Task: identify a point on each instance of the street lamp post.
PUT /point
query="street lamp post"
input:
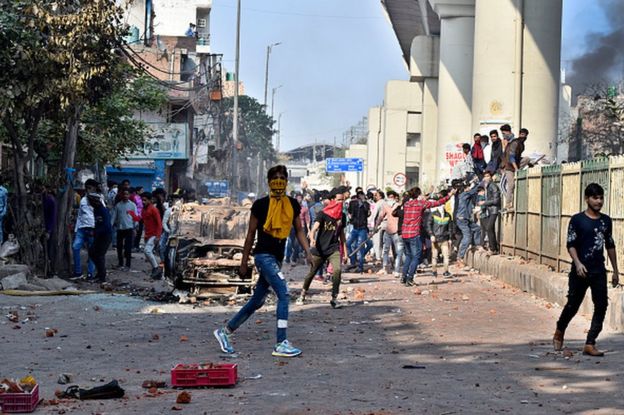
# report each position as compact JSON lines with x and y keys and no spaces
{"x":235,"y":121}
{"x":273,"y":99}
{"x":279,"y":131}
{"x":266,"y":71}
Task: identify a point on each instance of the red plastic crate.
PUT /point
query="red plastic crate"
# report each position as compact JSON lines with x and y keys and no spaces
{"x":12,"y":403}
{"x":193,"y":376}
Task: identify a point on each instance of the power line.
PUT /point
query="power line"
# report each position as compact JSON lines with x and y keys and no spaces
{"x":322,"y":16}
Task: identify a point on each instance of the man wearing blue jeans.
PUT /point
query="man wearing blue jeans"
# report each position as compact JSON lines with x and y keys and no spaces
{"x":272,"y":218}
{"x":85,"y":223}
{"x":413,"y":209}
{"x":359,"y":211}
{"x":471,"y":232}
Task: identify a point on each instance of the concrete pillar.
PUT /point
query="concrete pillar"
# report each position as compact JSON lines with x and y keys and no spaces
{"x":424,"y":68}
{"x":542,"y":74}
{"x":375,"y":137}
{"x":494,"y":74}
{"x":455,"y":79}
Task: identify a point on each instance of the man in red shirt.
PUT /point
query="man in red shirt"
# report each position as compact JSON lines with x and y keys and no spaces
{"x":413,"y":210}
{"x":152,"y":225}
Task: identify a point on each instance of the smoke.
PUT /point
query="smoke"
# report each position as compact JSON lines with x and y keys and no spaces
{"x":603,"y":61}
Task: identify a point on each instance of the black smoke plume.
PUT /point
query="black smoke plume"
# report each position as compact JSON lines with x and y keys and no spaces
{"x":603,"y":61}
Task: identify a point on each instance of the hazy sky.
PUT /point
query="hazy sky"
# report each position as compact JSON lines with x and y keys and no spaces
{"x":335,"y":57}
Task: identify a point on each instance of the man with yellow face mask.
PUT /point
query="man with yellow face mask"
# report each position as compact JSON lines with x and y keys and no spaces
{"x":271,"y":219}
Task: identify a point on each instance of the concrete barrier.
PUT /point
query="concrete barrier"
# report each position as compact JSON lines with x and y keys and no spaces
{"x":540,"y":281}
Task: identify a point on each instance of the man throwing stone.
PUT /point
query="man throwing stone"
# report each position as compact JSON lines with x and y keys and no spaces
{"x":326,"y":237}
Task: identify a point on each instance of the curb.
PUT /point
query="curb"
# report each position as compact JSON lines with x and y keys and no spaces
{"x":543,"y":283}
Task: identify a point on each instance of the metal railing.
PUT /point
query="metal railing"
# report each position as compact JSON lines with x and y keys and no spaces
{"x":546,"y":197}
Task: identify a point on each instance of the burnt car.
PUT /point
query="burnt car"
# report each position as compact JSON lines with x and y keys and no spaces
{"x":205,"y":248}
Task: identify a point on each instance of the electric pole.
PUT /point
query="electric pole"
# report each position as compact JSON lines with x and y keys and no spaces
{"x":266,"y":71}
{"x":235,"y":121}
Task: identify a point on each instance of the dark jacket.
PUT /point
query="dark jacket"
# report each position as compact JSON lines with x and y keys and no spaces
{"x":513,"y":152}
{"x":496,"y":156}
{"x":439,"y":225}
{"x":358,"y":214}
{"x":492,"y":198}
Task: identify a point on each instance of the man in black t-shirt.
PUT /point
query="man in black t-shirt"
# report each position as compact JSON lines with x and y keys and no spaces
{"x":589,"y":233}
{"x":272,"y":218}
{"x":326,"y":237}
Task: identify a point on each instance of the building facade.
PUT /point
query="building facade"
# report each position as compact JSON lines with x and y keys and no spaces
{"x":474,"y":65}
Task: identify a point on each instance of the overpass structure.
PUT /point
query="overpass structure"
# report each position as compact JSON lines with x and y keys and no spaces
{"x":473,"y":66}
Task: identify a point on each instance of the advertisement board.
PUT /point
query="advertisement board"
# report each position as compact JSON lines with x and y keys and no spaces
{"x":166,"y":141}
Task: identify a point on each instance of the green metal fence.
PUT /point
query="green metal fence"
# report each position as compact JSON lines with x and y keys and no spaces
{"x":545,"y":200}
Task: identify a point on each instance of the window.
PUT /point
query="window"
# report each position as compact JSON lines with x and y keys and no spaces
{"x":413,"y":139}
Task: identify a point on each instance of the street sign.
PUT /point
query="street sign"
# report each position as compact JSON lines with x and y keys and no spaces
{"x":337,"y":165}
{"x":218,"y":188}
{"x":400,"y":179}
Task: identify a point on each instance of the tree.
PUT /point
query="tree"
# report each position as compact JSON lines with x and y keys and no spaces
{"x":599,"y":126}
{"x":64,"y":73}
{"x":255,"y":136}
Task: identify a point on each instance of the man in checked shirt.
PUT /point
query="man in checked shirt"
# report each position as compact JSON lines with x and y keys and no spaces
{"x":413,"y":210}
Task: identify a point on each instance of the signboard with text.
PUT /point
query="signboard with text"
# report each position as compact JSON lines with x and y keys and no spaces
{"x":218,"y":188}
{"x":339,"y":165}
{"x":453,"y":155}
{"x":166,"y":141}
{"x":400,"y":179}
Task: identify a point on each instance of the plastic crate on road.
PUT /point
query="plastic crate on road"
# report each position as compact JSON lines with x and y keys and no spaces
{"x":201,"y":375}
{"x":13,"y":403}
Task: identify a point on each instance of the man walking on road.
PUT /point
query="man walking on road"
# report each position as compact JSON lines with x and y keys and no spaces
{"x":326,"y":237}
{"x":271,"y":218}
{"x":589,"y":233}
{"x":124,"y":222}
{"x":153,"y":229}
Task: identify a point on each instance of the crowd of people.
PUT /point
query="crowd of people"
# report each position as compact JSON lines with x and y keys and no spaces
{"x":396,"y":233}
{"x":128,"y":218}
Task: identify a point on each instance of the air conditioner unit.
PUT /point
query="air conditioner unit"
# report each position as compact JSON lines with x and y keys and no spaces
{"x":201,"y":22}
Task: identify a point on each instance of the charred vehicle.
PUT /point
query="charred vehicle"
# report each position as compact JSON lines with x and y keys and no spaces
{"x":205,"y":249}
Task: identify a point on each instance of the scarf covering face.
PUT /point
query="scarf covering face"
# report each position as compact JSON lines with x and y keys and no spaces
{"x":280,"y":216}
{"x":333,"y":209}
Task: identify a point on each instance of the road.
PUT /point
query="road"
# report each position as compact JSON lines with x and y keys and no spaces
{"x":476,"y":346}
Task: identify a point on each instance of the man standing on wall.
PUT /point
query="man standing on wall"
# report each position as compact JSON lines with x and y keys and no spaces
{"x":511,"y":162}
{"x":271,"y":218}
{"x":589,"y":233}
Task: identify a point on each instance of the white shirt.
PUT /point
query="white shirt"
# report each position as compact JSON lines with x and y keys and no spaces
{"x":85,"y":218}
{"x":487,"y":153}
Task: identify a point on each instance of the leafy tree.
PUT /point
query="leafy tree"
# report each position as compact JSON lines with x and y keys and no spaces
{"x":64,"y":76}
{"x":599,"y":126}
{"x":255,"y":137}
